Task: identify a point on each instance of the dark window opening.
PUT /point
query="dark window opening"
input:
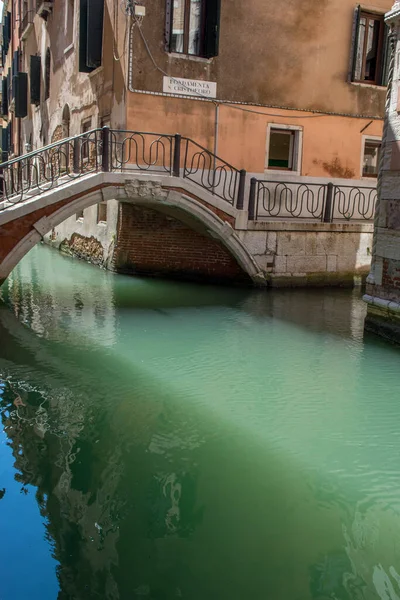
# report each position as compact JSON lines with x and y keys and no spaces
{"x":79,"y":215}
{"x":370,"y":49}
{"x":281,"y":149}
{"x":47,"y":75}
{"x":102,"y":212}
{"x":372,"y":151}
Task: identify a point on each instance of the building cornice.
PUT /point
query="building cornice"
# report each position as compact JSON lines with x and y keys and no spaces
{"x":394,"y":14}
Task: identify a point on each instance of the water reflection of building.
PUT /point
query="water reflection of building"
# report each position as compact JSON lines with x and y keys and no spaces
{"x":38,"y":295}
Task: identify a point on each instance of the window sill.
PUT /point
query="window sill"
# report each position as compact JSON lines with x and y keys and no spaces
{"x":69,"y":48}
{"x":102,"y":223}
{"x":95,"y":72}
{"x":180,"y":55}
{"x":372,"y":86}
{"x":289,"y":172}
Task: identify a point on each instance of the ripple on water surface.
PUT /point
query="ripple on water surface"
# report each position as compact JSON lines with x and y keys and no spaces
{"x":177,"y":441}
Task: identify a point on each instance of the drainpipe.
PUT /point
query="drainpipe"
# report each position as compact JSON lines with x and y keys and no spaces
{"x":216,"y":124}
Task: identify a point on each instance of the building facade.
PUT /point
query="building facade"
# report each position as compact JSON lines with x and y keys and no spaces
{"x":288,"y":92}
{"x":383,"y":283}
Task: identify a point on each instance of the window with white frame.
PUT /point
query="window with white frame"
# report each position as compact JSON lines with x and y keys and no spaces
{"x":69,"y":22}
{"x":371,"y":156}
{"x":283,"y":148}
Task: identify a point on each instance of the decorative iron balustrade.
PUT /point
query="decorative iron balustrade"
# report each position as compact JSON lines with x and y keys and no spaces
{"x":212,"y":173}
{"x":270,"y":199}
{"x":42,"y":170}
{"x":137,"y":151}
{"x":122,"y":151}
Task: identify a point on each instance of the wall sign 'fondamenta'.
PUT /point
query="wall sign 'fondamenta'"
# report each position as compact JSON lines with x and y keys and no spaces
{"x":189,"y":87}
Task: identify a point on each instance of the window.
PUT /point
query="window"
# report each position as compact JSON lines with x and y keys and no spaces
{"x":86,"y":126}
{"x":187,"y":24}
{"x":47,"y":75}
{"x":371,"y":53}
{"x":284,"y":148}
{"x":102,"y":212}
{"x":79,"y":215}
{"x":91,"y":17}
{"x":69,"y":22}
{"x":192,"y":27}
{"x":371,"y":156}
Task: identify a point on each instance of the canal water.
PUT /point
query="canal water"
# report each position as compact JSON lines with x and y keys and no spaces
{"x":163,"y":440}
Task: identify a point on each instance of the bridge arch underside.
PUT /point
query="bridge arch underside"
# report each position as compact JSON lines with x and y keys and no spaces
{"x":167,"y":234}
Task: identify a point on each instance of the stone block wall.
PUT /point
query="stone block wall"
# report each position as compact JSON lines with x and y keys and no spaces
{"x":294,"y":254}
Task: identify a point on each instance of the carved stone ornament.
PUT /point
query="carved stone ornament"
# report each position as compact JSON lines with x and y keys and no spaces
{"x":144,"y":189}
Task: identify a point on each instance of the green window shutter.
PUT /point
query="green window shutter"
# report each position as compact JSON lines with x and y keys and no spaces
{"x":4,"y":140}
{"x":168,"y":25}
{"x":83,"y":29}
{"x":35,"y":78}
{"x":4,"y":97}
{"x":386,"y":56}
{"x":94,"y":41}
{"x":21,"y":95}
{"x":211,"y":28}
{"x":354,"y":43}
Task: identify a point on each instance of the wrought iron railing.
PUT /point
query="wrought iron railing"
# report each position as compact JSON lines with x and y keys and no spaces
{"x":122,"y":151}
{"x":212,"y":173}
{"x":308,"y":200}
{"x":133,"y":151}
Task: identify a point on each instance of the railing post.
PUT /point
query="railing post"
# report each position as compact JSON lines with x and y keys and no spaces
{"x":328,"y":212}
{"x":176,"y":169}
{"x":252,"y":198}
{"x":105,"y":159}
{"x":242,"y":183}
{"x":76,"y":155}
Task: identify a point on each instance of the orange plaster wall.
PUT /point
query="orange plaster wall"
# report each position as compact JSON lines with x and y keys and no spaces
{"x":332,"y":145}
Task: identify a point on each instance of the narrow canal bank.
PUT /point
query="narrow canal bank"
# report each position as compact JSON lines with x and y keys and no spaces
{"x":166,"y":440}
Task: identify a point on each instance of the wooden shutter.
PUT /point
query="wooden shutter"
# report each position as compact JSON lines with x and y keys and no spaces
{"x":35,"y":78}
{"x":4,"y":140}
{"x":9,"y":137}
{"x":385,"y":60}
{"x":211,"y":29}
{"x":9,"y":84}
{"x":21,"y":95}
{"x":354,"y":43}
{"x":83,"y":28}
{"x":4,"y":97}
{"x":94,"y":48}
{"x":168,"y":25}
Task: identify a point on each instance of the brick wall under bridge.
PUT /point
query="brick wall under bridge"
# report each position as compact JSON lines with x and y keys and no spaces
{"x":168,"y":227}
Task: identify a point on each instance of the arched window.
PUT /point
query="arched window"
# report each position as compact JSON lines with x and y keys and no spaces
{"x":47,"y":75}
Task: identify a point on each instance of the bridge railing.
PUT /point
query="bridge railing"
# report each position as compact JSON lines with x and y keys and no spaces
{"x":327,"y":202}
{"x":41,"y":170}
{"x":133,"y":151}
{"x":122,"y":151}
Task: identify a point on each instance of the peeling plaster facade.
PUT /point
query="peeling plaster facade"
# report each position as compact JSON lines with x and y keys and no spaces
{"x":383,"y":283}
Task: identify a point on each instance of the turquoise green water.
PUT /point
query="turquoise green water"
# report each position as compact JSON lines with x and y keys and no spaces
{"x":164,"y":440}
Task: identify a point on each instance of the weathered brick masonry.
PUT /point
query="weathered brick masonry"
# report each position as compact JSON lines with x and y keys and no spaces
{"x":153,"y":243}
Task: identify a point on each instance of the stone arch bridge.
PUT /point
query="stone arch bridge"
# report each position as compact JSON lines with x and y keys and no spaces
{"x":227,"y":225}
{"x":171,"y":175}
